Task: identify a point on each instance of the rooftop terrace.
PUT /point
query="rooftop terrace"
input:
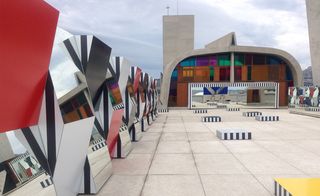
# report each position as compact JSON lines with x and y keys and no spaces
{"x":180,"y":155}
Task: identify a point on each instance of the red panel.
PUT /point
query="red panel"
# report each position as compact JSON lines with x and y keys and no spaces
{"x":137,"y":80}
{"x":27,"y":30}
{"x":113,"y":134}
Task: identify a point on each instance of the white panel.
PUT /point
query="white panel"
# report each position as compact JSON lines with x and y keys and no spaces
{"x":71,"y":157}
{"x":58,"y":123}
{"x":75,"y":42}
{"x":89,"y":43}
{"x":42,"y":123}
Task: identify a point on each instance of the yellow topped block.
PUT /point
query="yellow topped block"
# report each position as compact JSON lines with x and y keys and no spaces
{"x":301,"y":186}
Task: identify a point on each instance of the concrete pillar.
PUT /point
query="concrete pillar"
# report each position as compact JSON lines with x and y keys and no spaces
{"x":232,"y":68}
{"x":313,"y":13}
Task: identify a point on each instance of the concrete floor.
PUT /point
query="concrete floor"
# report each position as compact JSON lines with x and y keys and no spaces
{"x":181,"y":156}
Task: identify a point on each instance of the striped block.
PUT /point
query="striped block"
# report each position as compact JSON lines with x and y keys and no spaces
{"x":279,"y":190}
{"x":267,"y":118}
{"x":200,"y":111}
{"x":221,"y":106}
{"x":251,"y":114}
{"x":163,"y":110}
{"x":313,"y":109}
{"x":211,"y":119}
{"x":211,"y":103}
{"x":233,"y":134}
{"x":46,"y":183}
{"x":233,"y":109}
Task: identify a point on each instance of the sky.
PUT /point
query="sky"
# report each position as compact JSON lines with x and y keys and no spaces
{"x":133,"y":28}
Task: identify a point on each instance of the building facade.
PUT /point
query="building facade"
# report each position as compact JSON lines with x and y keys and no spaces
{"x":225,"y":61}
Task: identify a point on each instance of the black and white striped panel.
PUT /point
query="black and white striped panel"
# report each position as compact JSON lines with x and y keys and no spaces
{"x":118,"y":107}
{"x":98,"y":146}
{"x":163,"y":110}
{"x":233,"y":109}
{"x":233,"y":134}
{"x":237,"y":84}
{"x":97,"y":141}
{"x":279,"y":190}
{"x":211,"y":119}
{"x":267,"y":118}
{"x":251,"y":114}
{"x":313,"y":109}
{"x":200,"y":111}
{"x":46,"y":183}
{"x":123,"y":128}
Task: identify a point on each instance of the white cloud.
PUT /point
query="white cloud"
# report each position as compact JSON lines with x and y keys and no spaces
{"x":134,"y":28}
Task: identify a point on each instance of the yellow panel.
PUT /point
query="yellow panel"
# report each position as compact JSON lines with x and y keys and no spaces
{"x":301,"y":186}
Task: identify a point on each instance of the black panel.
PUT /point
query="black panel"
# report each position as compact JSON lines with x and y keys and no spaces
{"x":87,"y":183}
{"x":97,"y":66}
{"x":51,"y":126}
{"x":84,"y":52}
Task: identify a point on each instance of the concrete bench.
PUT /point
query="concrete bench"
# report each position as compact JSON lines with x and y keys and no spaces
{"x":221,"y":106}
{"x":211,"y":119}
{"x":313,"y":109}
{"x":200,"y":111}
{"x":251,"y":114}
{"x":163,"y":110}
{"x":211,"y":103}
{"x":267,"y":118}
{"x":233,"y":134}
{"x":233,"y":109}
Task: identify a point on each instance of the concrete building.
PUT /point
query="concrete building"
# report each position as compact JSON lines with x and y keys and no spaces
{"x":178,"y":36}
{"x":313,"y":13}
{"x":223,"y":61}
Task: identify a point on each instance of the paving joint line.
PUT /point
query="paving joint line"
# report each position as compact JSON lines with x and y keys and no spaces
{"x":153,"y":155}
{"x":194,"y":159}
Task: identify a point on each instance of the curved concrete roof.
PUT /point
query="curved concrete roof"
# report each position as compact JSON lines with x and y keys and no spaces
{"x":222,"y":48}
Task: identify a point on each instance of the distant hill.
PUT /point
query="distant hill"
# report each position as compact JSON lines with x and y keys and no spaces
{"x":307,"y":76}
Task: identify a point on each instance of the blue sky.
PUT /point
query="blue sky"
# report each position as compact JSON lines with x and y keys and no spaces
{"x":134,"y":28}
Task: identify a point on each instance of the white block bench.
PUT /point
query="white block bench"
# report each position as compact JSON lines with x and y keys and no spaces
{"x":267,"y":118}
{"x":313,"y":109}
{"x":163,"y":110}
{"x":233,"y":109}
{"x":251,"y":114}
{"x":211,"y":119}
{"x":211,"y":103}
{"x":221,"y":106}
{"x":200,"y":111}
{"x":233,"y":134}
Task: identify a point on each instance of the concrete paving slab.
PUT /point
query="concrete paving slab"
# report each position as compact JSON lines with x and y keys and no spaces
{"x":119,"y":185}
{"x":173,"y":185}
{"x":134,"y":164}
{"x":174,"y":136}
{"x":219,"y":164}
{"x":170,"y":147}
{"x":203,"y":147}
{"x":233,"y":185}
{"x":173,"y":164}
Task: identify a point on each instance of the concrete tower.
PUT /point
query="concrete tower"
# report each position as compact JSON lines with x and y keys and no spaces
{"x":313,"y":13}
{"x":178,"y":36}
